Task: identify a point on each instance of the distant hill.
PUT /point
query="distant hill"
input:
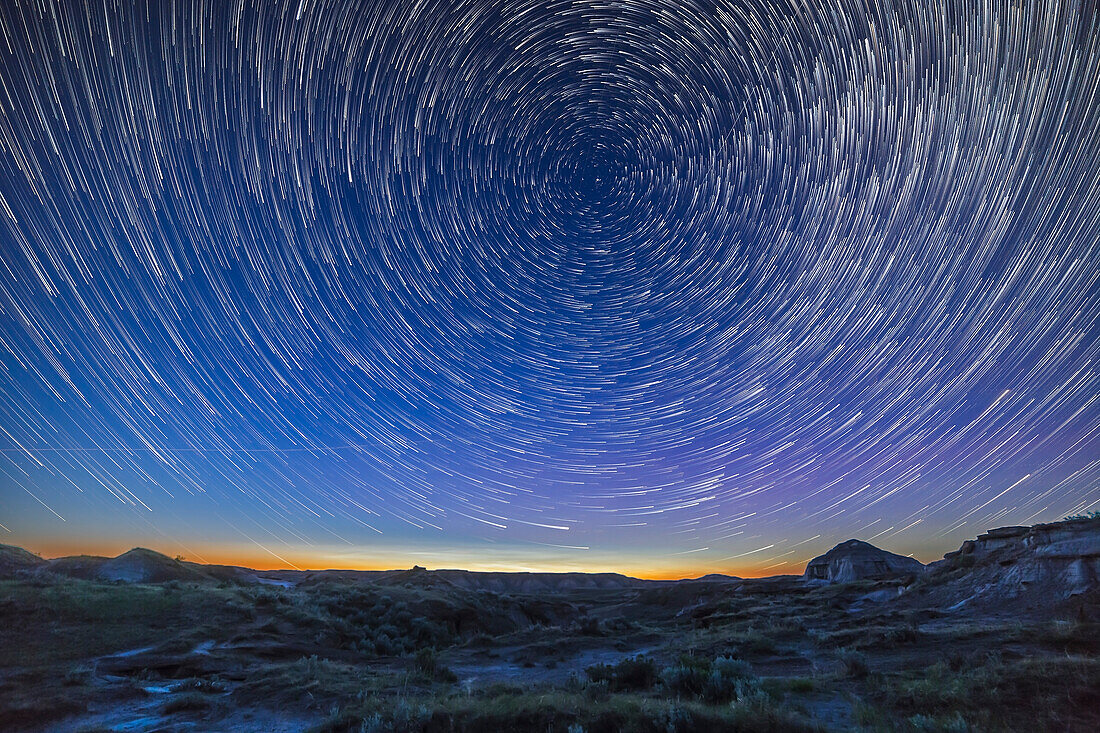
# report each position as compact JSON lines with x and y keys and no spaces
{"x":1006,"y":568}
{"x":498,"y":582}
{"x":138,"y":565}
{"x":716,"y":578}
{"x":141,"y":565}
{"x":538,"y":582}
{"x":146,"y":566}
{"x":14,"y":560}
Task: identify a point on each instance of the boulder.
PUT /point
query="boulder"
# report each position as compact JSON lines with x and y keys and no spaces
{"x":857,"y":560}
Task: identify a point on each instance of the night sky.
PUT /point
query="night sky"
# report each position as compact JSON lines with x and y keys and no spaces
{"x":656,"y":286}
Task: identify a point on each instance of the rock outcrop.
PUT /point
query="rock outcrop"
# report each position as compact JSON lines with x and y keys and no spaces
{"x":857,"y":560}
{"x":1021,"y":569}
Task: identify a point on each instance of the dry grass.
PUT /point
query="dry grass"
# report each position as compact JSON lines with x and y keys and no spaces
{"x":370,"y":656}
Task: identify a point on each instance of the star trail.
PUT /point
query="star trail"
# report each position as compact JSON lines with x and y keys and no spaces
{"x":633,"y":284}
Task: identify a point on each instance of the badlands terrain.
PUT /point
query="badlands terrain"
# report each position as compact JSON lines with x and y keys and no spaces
{"x":1003,"y":634}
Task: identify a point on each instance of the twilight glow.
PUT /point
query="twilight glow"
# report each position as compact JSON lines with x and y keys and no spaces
{"x":656,"y":286}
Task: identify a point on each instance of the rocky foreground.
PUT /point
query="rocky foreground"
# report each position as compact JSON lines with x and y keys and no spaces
{"x":1003,"y":634}
{"x":1017,"y":571}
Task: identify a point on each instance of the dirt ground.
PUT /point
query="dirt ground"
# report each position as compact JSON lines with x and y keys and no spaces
{"x":347,"y":655}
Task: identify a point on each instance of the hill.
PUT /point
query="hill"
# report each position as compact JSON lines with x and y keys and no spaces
{"x":138,"y":565}
{"x":14,"y":560}
{"x":857,"y":560}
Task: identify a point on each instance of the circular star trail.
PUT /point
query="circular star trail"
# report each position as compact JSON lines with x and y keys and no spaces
{"x":716,"y":278}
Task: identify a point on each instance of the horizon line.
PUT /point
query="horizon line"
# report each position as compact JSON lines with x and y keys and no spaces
{"x":239,"y":561}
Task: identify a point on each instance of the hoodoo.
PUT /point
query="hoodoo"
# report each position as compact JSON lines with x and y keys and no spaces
{"x":858,"y":560}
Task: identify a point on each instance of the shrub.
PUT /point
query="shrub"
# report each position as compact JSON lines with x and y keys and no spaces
{"x":1076,"y":636}
{"x":373,"y":723}
{"x":749,"y":696}
{"x":684,"y":680}
{"x":78,"y":674}
{"x":907,"y":634}
{"x":211,"y":686}
{"x":188,"y":702}
{"x":754,"y":712}
{"x":427,"y":663}
{"x":597,"y":691}
{"x":384,"y":645}
{"x":590,"y":626}
{"x":718,"y":681}
{"x":480,"y":640}
{"x":756,"y":642}
{"x":854,"y":663}
{"x":678,"y":720}
{"x":730,"y":668}
{"x":499,"y":689}
{"x":635,"y":673}
{"x":730,"y":679}
{"x":930,"y":724}
{"x":801,"y":684}
{"x":406,"y":715}
{"x":1026,"y":694}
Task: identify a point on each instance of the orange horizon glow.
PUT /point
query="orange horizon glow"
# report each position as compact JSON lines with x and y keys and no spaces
{"x":264,"y":561}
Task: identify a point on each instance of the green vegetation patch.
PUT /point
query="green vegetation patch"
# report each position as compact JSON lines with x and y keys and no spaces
{"x":563,"y":712}
{"x":1053,"y":694}
{"x":68,"y":620}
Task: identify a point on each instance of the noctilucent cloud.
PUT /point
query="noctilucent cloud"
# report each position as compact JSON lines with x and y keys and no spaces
{"x":647,"y":285}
